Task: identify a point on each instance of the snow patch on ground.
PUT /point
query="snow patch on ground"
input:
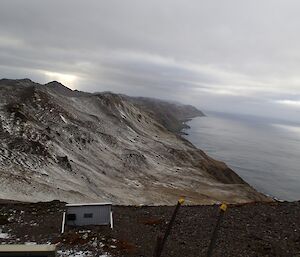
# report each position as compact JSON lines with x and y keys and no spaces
{"x":131,"y":129}
{"x":4,"y":235}
{"x":123,"y":114}
{"x":30,"y":243}
{"x":72,"y":253}
{"x":63,"y":118}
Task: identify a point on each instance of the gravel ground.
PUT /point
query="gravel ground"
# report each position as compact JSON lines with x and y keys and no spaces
{"x":247,"y":230}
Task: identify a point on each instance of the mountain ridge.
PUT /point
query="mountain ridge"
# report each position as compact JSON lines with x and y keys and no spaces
{"x":77,"y":146}
{"x":172,"y":115}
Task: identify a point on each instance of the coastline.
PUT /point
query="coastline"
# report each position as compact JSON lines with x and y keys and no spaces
{"x":185,"y":135}
{"x":258,"y":167}
{"x":185,"y":126}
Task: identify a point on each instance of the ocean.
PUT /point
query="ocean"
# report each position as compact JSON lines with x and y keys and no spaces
{"x":264,"y":152}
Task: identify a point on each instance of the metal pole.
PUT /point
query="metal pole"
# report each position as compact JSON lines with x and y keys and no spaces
{"x":111,"y":220}
{"x":63,"y":223}
{"x":213,"y":240}
{"x":161,"y":242}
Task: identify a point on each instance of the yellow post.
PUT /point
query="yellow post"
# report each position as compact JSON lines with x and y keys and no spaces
{"x":223,"y":209}
{"x":161,"y":240}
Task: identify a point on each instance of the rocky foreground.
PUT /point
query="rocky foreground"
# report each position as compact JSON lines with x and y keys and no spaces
{"x":58,"y":143}
{"x":254,"y":230}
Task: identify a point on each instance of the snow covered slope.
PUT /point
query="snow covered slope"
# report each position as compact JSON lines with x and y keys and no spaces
{"x":56,"y":143}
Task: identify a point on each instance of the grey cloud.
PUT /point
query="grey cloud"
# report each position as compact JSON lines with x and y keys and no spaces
{"x":227,"y":55}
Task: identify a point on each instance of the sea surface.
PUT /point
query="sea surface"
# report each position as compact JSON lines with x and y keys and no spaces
{"x":264,"y":152}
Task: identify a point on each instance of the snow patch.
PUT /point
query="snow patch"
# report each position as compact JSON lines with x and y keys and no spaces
{"x":131,"y":129}
{"x":72,"y":253}
{"x":123,"y":114}
{"x":63,"y":118}
{"x":4,"y":236}
{"x":30,"y":243}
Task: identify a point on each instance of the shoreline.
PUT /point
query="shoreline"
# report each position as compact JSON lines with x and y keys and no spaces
{"x":276,"y":199}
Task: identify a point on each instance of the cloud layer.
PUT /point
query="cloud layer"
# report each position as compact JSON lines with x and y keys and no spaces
{"x":233,"y":55}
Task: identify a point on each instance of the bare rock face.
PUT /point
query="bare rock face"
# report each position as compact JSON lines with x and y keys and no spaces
{"x":171,"y":115}
{"x":74,"y":146}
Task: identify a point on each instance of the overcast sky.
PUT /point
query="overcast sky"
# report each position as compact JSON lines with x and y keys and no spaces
{"x":225,"y":55}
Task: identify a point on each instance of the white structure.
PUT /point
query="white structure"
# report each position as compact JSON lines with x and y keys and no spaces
{"x":88,"y":214}
{"x":28,"y":250}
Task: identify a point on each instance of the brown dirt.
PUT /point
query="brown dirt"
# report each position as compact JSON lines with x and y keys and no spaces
{"x":247,"y":230}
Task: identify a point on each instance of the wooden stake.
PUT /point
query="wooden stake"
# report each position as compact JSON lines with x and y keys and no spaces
{"x":161,"y":241}
{"x":213,"y":240}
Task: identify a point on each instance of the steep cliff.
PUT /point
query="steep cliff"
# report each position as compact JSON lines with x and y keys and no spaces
{"x":57,"y":143}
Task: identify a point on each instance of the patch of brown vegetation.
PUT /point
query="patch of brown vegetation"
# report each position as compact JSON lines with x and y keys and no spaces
{"x":125,"y":247}
{"x":247,"y":230}
{"x":72,"y":238}
{"x":152,"y":221}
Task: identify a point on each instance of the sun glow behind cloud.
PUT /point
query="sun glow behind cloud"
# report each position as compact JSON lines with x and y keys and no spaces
{"x":291,"y":103}
{"x":66,"y":79}
{"x":294,"y":129}
{"x":218,"y":55}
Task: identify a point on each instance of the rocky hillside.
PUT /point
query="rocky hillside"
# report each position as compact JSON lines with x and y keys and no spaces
{"x":169,"y":114}
{"x":57,"y":143}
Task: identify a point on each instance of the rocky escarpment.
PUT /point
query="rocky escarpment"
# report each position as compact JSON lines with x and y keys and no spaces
{"x":170,"y":114}
{"x":57,"y":143}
